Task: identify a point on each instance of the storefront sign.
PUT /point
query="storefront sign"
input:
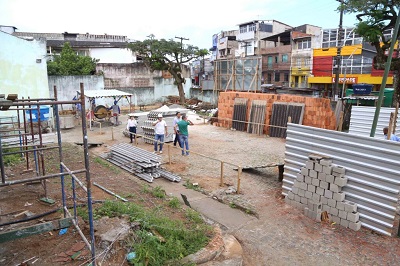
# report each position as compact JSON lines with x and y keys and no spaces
{"x":349,"y":80}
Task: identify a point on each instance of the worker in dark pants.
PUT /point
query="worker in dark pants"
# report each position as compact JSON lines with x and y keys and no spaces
{"x":177,"y":118}
{"x":131,"y":126}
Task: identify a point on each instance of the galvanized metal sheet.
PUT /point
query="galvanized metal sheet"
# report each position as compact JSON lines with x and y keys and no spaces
{"x":362,"y":117}
{"x":372,"y":167}
{"x":239,"y":114}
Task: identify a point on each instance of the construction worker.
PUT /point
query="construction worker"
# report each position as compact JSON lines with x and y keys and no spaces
{"x":393,"y":137}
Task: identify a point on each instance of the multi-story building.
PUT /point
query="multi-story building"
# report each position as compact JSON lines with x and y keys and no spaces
{"x":356,"y":64}
{"x":288,"y":62}
{"x":227,"y":45}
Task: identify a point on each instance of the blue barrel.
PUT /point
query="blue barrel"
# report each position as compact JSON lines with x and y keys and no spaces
{"x":44,"y":113}
{"x":362,"y":89}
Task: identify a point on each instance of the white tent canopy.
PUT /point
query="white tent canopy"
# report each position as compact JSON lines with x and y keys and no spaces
{"x":104,"y":93}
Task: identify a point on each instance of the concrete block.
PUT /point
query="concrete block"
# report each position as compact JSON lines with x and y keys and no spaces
{"x":307,"y":179}
{"x":304,"y":171}
{"x":318,"y":215}
{"x":328,"y":194}
{"x":324,"y":200}
{"x":315,"y":182}
{"x":327,"y":170}
{"x":320,"y":191}
{"x":315,"y":157}
{"x":338,"y":169}
{"x":310,"y":165}
{"x":303,"y":200}
{"x":334,"y":211}
{"x":295,"y":190}
{"x":312,"y":214}
{"x":341,"y":181}
{"x":288,"y":201}
{"x":316,"y":197}
{"x":303,"y":186}
{"x":305,"y":211}
{"x":322,"y":176}
{"x":311,"y":188}
{"x":332,"y":203}
{"x":301,"y":192}
{"x":339,"y":196}
{"x":300,"y":177}
{"x":326,"y":208}
{"x":297,"y":198}
{"x":355,"y":226}
{"x":330,"y":179}
{"x":334,"y":188}
{"x":313,"y":173}
{"x":344,"y":223}
{"x":353,"y":216}
{"x":343,"y":214}
{"x":350,"y":206}
{"x":324,"y":185}
{"x":318,"y":167}
{"x":308,"y":195}
{"x":340,"y":206}
{"x":290,"y":195}
{"x":334,"y":219}
{"x":296,"y":183}
{"x":325,"y":162}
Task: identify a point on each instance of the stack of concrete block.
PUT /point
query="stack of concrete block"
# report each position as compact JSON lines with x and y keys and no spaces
{"x":318,"y":188}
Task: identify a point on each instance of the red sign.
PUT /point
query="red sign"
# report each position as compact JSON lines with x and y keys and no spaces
{"x":349,"y":80}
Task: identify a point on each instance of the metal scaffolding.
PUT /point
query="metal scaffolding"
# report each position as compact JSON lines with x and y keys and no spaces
{"x":30,"y":144}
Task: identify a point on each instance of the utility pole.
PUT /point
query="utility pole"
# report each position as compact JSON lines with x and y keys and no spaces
{"x":181,"y":38}
{"x":335,"y":90}
{"x":246,"y":44}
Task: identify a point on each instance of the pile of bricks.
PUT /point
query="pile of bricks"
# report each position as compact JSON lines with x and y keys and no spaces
{"x":317,"y":111}
{"x":318,"y":189}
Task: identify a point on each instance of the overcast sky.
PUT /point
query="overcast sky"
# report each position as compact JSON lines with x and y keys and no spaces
{"x":196,"y":20}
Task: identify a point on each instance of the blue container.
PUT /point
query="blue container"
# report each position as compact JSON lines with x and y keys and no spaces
{"x":44,"y":113}
{"x":362,"y":89}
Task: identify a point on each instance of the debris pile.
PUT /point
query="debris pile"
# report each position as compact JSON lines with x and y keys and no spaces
{"x":139,"y":162}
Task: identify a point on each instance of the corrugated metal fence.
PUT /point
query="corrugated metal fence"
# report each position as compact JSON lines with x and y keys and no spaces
{"x":372,"y":167}
{"x":362,"y":117}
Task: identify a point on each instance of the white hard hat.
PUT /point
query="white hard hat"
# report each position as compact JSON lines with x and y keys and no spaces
{"x":159,"y":115}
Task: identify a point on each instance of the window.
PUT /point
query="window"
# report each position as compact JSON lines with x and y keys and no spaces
{"x":357,"y":64}
{"x":252,"y":27}
{"x":269,"y":61}
{"x":276,"y":59}
{"x":304,"y":44}
{"x":286,"y":77}
{"x":284,"y":58}
{"x":269,"y":78}
{"x":277,"y":78}
{"x":243,"y":29}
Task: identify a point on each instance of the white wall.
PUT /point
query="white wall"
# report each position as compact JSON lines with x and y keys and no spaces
{"x":113,"y":55}
{"x":20,"y":73}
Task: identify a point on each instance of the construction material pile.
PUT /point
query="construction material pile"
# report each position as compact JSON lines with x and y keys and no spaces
{"x":139,"y":162}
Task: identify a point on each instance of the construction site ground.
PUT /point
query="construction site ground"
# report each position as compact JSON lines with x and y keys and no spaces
{"x":270,"y":231}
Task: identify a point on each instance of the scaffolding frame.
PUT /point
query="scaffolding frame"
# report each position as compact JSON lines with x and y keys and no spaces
{"x":37,"y":150}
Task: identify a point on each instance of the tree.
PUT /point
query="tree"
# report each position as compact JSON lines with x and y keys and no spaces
{"x":167,"y":55}
{"x":375,"y":17}
{"x":69,"y":63}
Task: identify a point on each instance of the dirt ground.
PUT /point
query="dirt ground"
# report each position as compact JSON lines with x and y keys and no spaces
{"x":280,"y":236}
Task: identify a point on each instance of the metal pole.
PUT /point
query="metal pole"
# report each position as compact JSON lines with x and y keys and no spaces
{"x":25,"y":137}
{"x":221,"y":181}
{"x":384,"y":79}
{"x":88,"y":182}
{"x":339,"y":49}
{"x":3,"y":173}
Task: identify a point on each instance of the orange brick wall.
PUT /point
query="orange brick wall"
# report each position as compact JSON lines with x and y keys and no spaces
{"x":317,"y":111}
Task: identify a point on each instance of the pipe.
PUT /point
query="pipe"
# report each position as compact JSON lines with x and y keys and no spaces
{"x":74,"y":177}
{"x":21,"y":181}
{"x":110,"y":192}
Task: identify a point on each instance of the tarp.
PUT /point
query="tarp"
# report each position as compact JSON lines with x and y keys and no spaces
{"x":104,"y":93}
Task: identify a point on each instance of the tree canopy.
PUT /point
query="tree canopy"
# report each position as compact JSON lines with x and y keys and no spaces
{"x":375,"y":18}
{"x":69,"y":63}
{"x":167,"y":55}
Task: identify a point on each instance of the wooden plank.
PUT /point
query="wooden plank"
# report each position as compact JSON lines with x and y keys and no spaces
{"x":35,"y":229}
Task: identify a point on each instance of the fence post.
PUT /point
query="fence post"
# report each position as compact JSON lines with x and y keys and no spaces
{"x":238,"y":182}
{"x":221,"y":182}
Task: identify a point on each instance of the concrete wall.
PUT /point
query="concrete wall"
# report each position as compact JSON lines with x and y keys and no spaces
{"x":208,"y":96}
{"x":317,"y":111}
{"x":68,"y":85}
{"x":113,"y":55}
{"x":23,"y":68}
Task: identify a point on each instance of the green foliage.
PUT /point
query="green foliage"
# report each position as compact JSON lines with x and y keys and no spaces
{"x":69,"y":63}
{"x":188,"y":184}
{"x":83,"y":213}
{"x":178,"y":239}
{"x":104,"y":163}
{"x":193,"y":216}
{"x":167,"y":55}
{"x":158,"y":192}
{"x":174,"y":203}
{"x":11,"y":159}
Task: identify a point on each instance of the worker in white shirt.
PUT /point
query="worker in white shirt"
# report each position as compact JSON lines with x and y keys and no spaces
{"x":160,"y":130}
{"x":131,"y":127}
